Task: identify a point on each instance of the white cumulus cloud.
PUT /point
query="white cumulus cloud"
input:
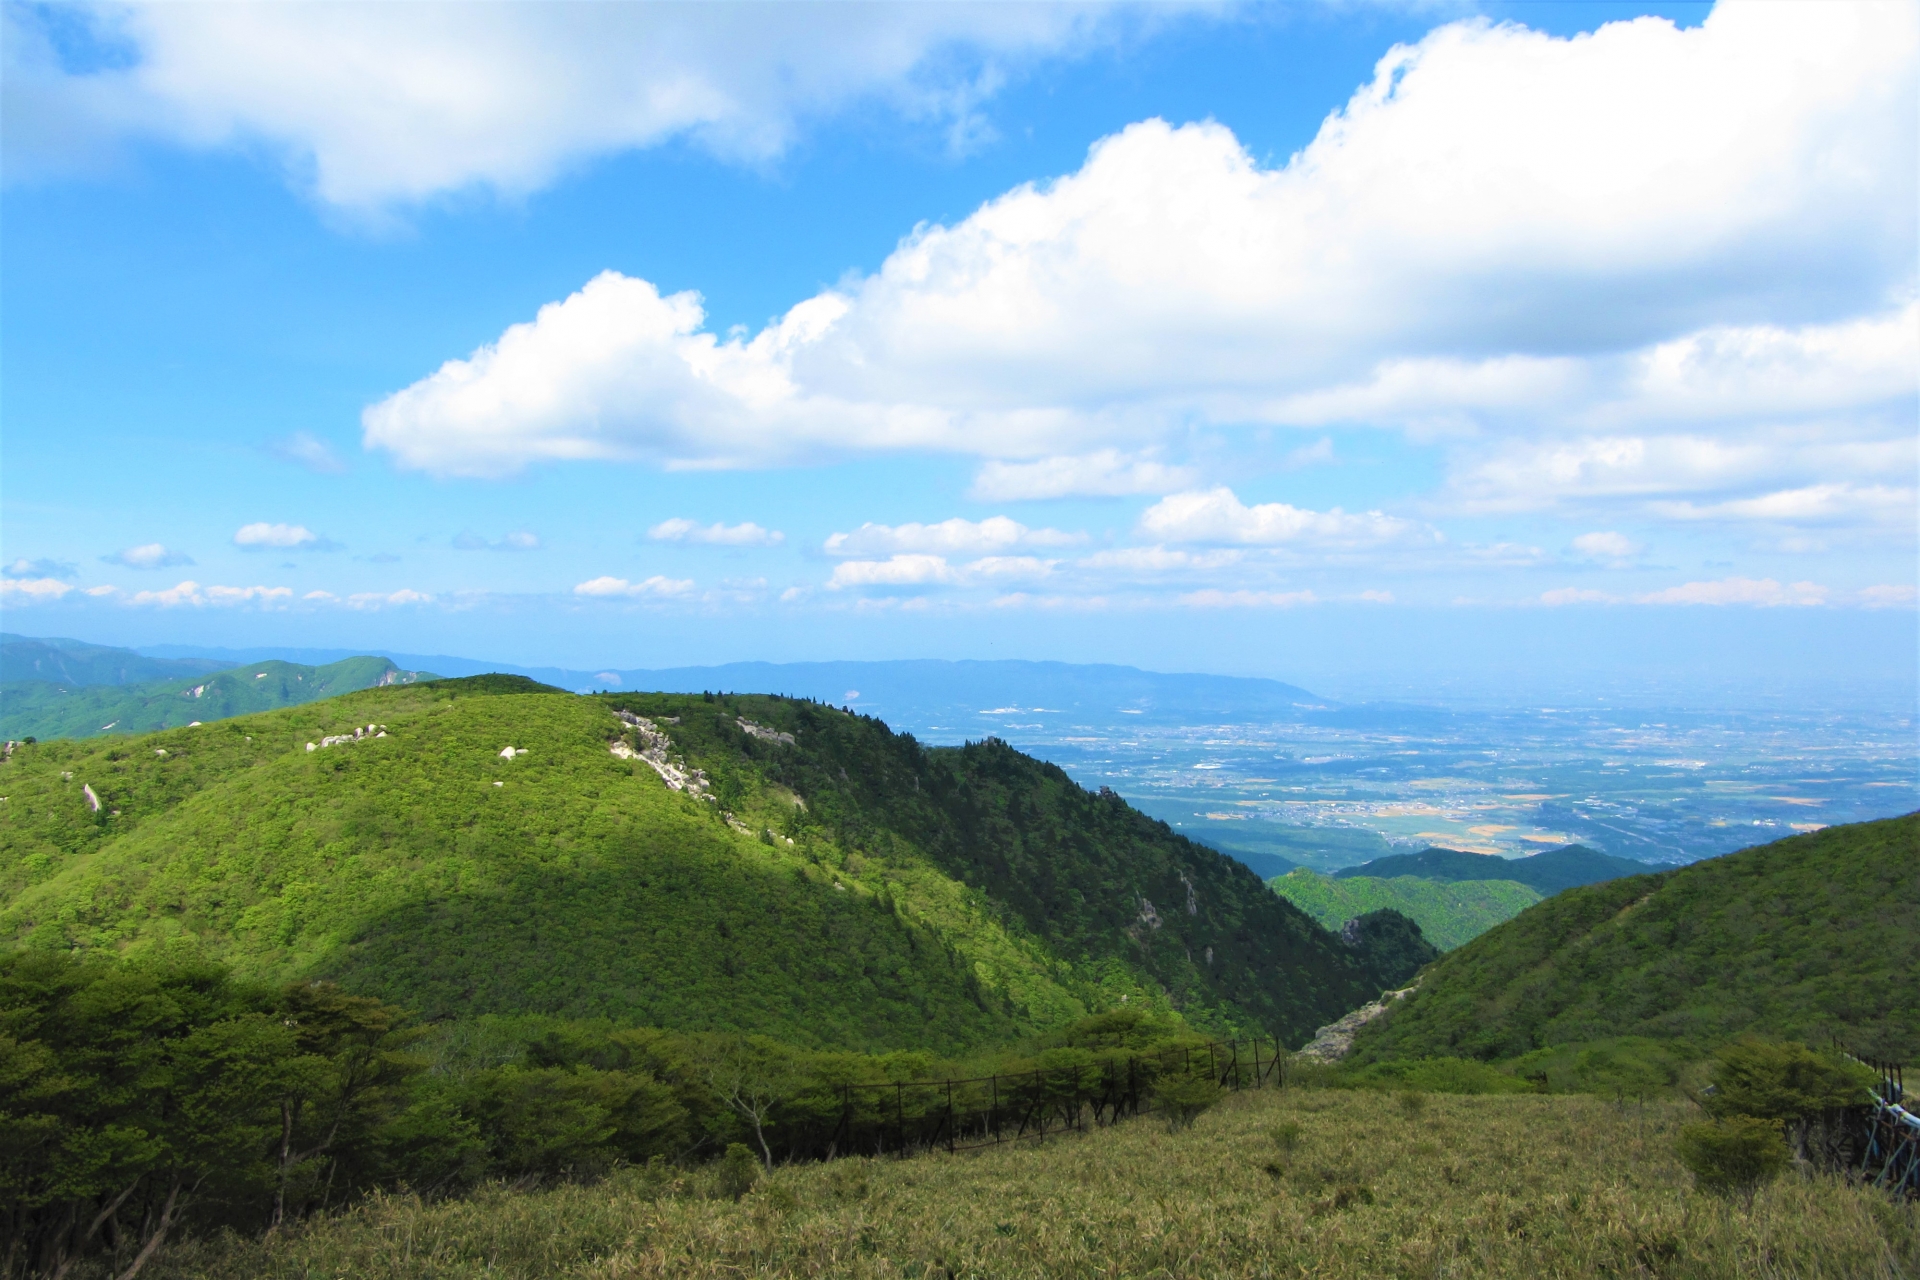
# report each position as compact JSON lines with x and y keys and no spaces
{"x":32,"y":590}
{"x":382,"y":599}
{"x":955,"y":537}
{"x":151,"y":555}
{"x":262,"y":536}
{"x":1751,"y":591}
{"x":1607,"y":545}
{"x":192,"y":594}
{"x":519,"y":540}
{"x":21,"y":567}
{"x":1243,"y":599}
{"x":1218,"y":516}
{"x":1105,"y":473}
{"x":608,"y":587}
{"x":1619,"y":232}
{"x":745,"y":534}
{"x":379,"y":103}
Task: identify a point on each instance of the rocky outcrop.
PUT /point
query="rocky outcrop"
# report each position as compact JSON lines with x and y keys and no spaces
{"x":762,"y":732}
{"x":645,"y":742}
{"x":1331,"y":1042}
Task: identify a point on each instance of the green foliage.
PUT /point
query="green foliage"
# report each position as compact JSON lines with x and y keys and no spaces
{"x":1448,"y":913}
{"x":1431,"y":1075}
{"x":137,"y":1095}
{"x":737,"y":1172}
{"x":853,"y":890}
{"x":51,"y":709}
{"x":1810,"y":937}
{"x":1781,"y":1080}
{"x":1734,"y":1155}
{"x":1546,"y":873}
{"x":1511,"y":1188}
{"x":1182,"y":1098}
{"x":1618,"y":1067}
{"x":1389,"y":945}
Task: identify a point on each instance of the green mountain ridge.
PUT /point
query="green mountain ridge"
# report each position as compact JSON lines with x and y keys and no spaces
{"x":816,"y":877}
{"x":54,"y":709}
{"x":76,"y":662}
{"x":1547,"y":873}
{"x":1810,"y":937}
{"x":1449,"y":913}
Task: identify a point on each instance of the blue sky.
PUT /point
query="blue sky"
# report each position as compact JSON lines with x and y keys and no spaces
{"x":1368,"y":345}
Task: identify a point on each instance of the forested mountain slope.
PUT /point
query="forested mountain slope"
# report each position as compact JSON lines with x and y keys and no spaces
{"x":818,"y":878}
{"x":55,"y":709}
{"x":1546,"y":873}
{"x":1449,"y":913}
{"x":1809,"y":937}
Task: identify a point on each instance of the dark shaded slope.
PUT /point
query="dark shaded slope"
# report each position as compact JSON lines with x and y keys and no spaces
{"x":51,"y":710}
{"x":1104,"y":884}
{"x":1546,"y":873}
{"x":1808,"y":937}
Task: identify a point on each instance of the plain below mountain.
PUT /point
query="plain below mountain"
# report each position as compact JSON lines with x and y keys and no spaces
{"x":1547,"y":873}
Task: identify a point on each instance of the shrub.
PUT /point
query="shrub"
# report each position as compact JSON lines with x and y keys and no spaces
{"x":1286,"y":1136}
{"x":1434,"y":1075}
{"x":1183,"y":1098}
{"x":736,"y":1172}
{"x":1736,"y":1155}
{"x":1783,"y":1080}
{"x":1412,"y":1102}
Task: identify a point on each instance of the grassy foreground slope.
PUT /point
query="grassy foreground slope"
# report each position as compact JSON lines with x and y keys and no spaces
{"x":53,"y":709}
{"x":1448,"y":913}
{"x":849,"y":889}
{"x":1808,"y":937}
{"x":1501,"y":1188}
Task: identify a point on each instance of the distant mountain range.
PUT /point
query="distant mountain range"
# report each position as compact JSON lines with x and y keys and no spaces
{"x":75,"y":662}
{"x":905,"y":691}
{"x":1547,"y":873}
{"x":123,"y":693}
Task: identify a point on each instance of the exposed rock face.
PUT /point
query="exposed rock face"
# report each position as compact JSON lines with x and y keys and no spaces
{"x":762,"y":732}
{"x":1331,"y":1042}
{"x":656,"y":749}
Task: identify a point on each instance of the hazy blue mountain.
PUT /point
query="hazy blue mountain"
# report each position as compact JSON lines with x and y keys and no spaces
{"x":75,"y":662}
{"x":908,"y":694}
{"x":1548,"y":872}
{"x":49,"y":709}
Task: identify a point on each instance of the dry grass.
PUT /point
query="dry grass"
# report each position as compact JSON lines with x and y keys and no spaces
{"x":1456,"y":1186}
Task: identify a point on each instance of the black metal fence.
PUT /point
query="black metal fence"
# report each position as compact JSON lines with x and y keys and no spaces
{"x":1096,"y":1089}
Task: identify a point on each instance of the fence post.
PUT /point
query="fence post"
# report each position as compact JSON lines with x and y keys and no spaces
{"x":993,"y":1108}
{"x":949,"y":1115}
{"x":900,"y":1113}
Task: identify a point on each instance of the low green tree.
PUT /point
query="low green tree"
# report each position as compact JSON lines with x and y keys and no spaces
{"x":1183,"y":1097}
{"x":1785,"y":1082}
{"x":1735,"y":1155}
{"x":737,"y":1171}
